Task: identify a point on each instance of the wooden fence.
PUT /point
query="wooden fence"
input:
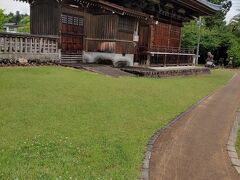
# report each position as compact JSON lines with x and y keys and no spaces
{"x":31,"y":47}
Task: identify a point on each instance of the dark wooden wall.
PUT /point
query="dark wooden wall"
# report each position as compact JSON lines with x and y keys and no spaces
{"x":166,"y":35}
{"x":159,"y":35}
{"x":109,"y":33}
{"x":45,"y":17}
{"x":72,"y":30}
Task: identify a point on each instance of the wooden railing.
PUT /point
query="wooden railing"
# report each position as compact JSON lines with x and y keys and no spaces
{"x":165,"y":56}
{"x":167,"y":50}
{"x":172,"y":50}
{"x":14,"y":46}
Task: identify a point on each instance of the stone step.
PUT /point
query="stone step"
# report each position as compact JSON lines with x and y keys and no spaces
{"x":71,"y":58}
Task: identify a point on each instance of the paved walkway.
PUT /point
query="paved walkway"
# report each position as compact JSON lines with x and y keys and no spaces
{"x":101,"y":69}
{"x":194,"y":148}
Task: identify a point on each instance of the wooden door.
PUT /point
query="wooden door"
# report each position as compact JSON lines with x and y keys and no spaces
{"x":72,"y":33}
{"x":144,"y":37}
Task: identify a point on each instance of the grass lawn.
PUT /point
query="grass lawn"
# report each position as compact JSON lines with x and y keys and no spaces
{"x":58,"y":122}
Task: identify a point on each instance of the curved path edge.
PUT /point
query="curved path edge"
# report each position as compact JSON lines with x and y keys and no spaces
{"x":231,"y":149}
{"x":149,"y":148}
{"x":145,"y":169}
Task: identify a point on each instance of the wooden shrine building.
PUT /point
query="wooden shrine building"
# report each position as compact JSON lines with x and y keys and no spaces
{"x":144,"y":32}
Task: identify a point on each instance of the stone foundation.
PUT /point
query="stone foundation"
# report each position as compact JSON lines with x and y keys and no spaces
{"x":151,"y":73}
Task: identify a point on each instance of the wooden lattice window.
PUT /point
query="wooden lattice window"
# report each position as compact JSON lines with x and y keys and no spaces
{"x":73,"y":20}
{"x":80,"y":21}
{"x":70,"y":19}
{"x":64,"y":19}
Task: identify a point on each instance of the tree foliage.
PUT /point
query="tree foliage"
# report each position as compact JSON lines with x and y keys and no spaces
{"x":24,"y":24}
{"x":235,"y":25}
{"x":216,"y":36}
{"x":23,"y":20}
{"x":234,"y":28}
{"x":3,"y":19}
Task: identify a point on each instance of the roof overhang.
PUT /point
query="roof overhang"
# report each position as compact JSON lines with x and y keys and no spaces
{"x":198,"y":7}
{"x":27,"y":1}
{"x":201,"y":7}
{"x":116,"y":8}
{"x":210,"y":5}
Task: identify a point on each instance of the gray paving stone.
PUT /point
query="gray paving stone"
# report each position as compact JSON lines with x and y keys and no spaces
{"x":146,"y":164}
{"x":231,"y":148}
{"x":145,"y":174}
{"x":238,"y":169}
{"x":230,"y":143}
{"x":148,"y":155}
{"x":235,"y":162}
{"x":149,"y":147}
{"x":232,"y":154}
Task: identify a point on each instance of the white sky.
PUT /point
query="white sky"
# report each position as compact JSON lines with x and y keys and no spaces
{"x":234,"y":10}
{"x":13,"y":6}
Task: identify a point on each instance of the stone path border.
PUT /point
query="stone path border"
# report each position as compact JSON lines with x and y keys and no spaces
{"x":231,"y":149}
{"x":149,"y":148}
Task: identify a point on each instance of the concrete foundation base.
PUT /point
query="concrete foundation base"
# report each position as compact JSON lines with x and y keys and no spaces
{"x":117,"y":59}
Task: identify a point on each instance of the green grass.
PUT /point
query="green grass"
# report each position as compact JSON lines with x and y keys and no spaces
{"x":63,"y":123}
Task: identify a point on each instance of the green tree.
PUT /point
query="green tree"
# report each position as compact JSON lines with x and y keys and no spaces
{"x":23,"y":20}
{"x":3,"y":19}
{"x":211,"y":39}
{"x":235,"y":25}
{"x":216,"y":35}
{"x":24,"y":25}
{"x":234,"y":49}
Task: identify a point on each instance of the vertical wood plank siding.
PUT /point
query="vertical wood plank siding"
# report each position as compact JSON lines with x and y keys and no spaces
{"x":45,"y":17}
{"x":104,"y":35}
{"x":161,"y":35}
{"x":101,"y":32}
{"x":166,"y":35}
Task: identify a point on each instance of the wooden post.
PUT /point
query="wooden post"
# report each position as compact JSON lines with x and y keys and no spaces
{"x":31,"y":45}
{"x":178,"y":60}
{"x":10,"y":44}
{"x":148,"y":63}
{"x":21,"y":44}
{"x":44,"y":45}
{"x":48,"y":46}
{"x":16,"y":45}
{"x":52,"y":47}
{"x":26,"y":45}
{"x":60,"y":55}
{"x":56,"y":45}
{"x":5,"y":44}
{"x":40,"y":45}
{"x":165,"y":58}
{"x":35,"y":45}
